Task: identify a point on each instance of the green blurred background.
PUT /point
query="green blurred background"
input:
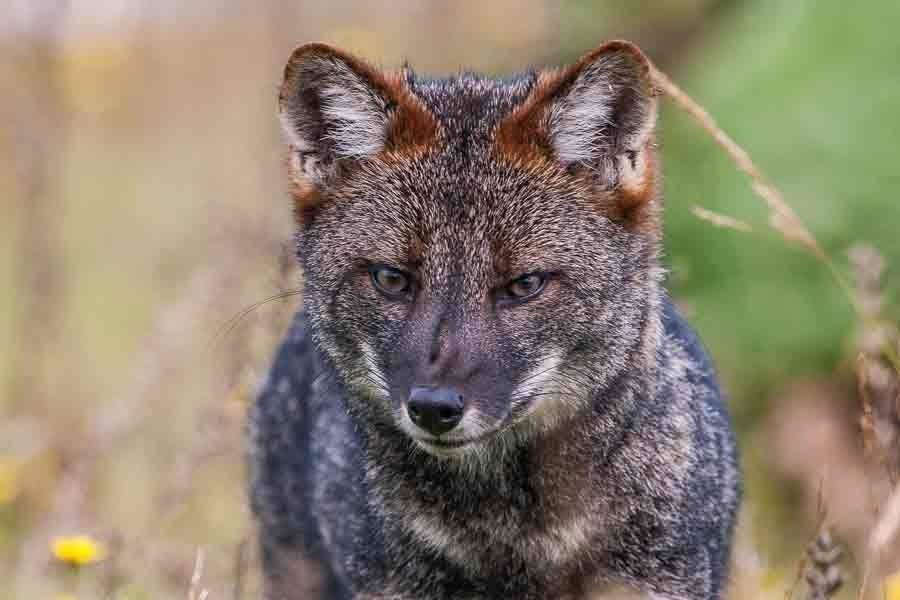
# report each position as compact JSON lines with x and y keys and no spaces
{"x":143,"y":205}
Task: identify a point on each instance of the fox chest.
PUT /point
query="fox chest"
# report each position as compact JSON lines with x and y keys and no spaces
{"x":490,"y":553}
{"x":491,"y":539}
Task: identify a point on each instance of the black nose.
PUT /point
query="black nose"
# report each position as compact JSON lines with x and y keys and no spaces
{"x":436,"y":410}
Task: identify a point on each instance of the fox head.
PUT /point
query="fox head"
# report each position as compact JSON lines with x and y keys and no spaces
{"x":479,"y":255}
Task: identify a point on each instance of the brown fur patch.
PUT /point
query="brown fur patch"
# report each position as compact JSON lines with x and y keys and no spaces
{"x":634,"y":204}
{"x":523,"y":135}
{"x":637,"y":198}
{"x":413,"y":128}
{"x":304,"y":192}
{"x":563,"y":475}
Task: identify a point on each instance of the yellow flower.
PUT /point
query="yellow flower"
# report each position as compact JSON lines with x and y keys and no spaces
{"x":892,"y":587}
{"x":78,"y":550}
{"x":9,"y":480}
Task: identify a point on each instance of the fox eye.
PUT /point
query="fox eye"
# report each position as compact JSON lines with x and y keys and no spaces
{"x":389,"y":281}
{"x":525,"y":286}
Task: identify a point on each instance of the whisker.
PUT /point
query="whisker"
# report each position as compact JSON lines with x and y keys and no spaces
{"x":568,"y":386}
{"x":589,"y":376}
{"x":226,"y":328}
{"x":536,"y":375}
{"x":574,"y":377}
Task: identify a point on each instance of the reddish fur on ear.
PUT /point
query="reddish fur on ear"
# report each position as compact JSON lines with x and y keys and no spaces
{"x":633,"y":203}
{"x":638,"y":195}
{"x":304,"y":192}
{"x":525,"y":136}
{"x":409,"y":126}
{"x":412,"y":128}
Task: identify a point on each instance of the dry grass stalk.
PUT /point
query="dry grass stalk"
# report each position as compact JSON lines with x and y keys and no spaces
{"x":869,"y":268}
{"x":888,"y":524}
{"x":866,"y":419}
{"x":878,"y":382}
{"x":823,"y":571}
{"x":782,"y":217}
{"x":879,"y":392}
{"x":803,"y":563}
{"x":37,"y":125}
{"x":195,"y":592}
{"x":240,"y":569}
{"x":879,"y":337}
{"x":720,"y":220}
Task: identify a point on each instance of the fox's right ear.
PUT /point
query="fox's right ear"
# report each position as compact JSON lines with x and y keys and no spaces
{"x":595,"y":116}
{"x":337,"y":109}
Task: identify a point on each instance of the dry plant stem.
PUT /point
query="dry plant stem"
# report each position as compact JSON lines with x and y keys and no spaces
{"x":867,"y":428}
{"x":888,"y":525}
{"x":782,"y":216}
{"x":720,"y":220}
{"x":803,"y":563}
{"x":798,"y":577}
{"x":861,"y":594}
{"x":823,"y":573}
{"x":194,"y":592}
{"x":240,"y":569}
{"x":867,"y":420}
{"x":784,"y":219}
{"x":37,"y":129}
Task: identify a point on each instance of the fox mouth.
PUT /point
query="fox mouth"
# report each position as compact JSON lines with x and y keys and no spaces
{"x":449,"y":444}
{"x":445,"y":447}
{"x":452,"y":446}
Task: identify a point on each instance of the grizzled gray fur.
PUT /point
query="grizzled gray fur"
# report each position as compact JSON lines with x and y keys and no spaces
{"x":487,"y":393}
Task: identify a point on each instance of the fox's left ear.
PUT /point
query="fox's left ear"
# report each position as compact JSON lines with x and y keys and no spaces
{"x":598,"y":116}
{"x":337,"y":110}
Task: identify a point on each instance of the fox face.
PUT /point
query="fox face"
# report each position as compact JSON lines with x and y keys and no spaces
{"x":480,"y":256}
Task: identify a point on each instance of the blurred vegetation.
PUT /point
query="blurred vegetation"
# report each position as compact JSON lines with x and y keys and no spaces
{"x":803,"y":86}
{"x":140,"y":175}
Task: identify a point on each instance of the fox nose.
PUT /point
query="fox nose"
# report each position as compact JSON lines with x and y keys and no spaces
{"x":435,"y":410}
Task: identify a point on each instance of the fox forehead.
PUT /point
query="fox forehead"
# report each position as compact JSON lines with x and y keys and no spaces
{"x":469,"y":105}
{"x":444,"y":208}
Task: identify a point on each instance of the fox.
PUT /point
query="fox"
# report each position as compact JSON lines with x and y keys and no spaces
{"x":487,"y":392}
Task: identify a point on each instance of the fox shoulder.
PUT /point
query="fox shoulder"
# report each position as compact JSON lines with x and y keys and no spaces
{"x":275,"y":451}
